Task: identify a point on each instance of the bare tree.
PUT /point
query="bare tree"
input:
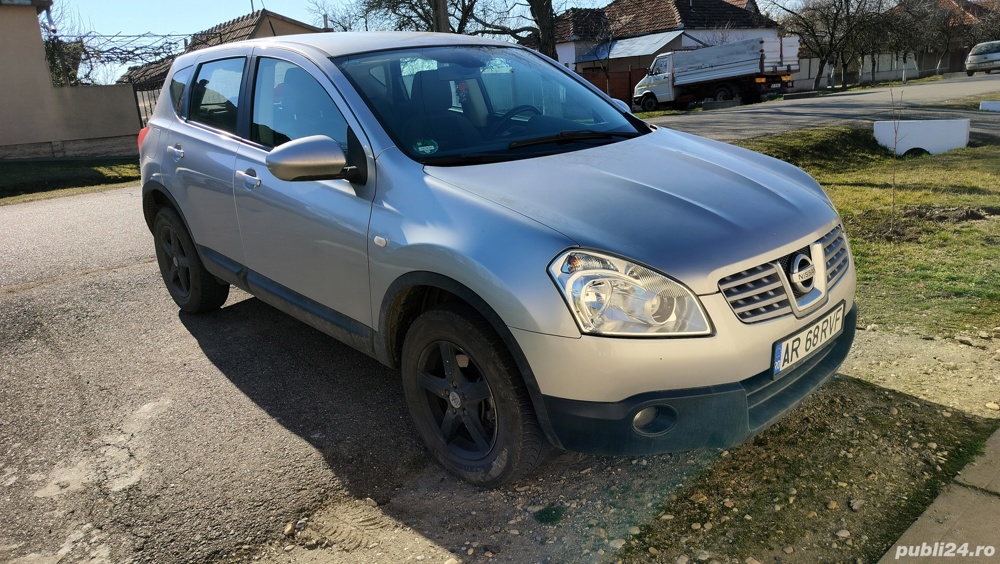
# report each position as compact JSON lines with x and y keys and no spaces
{"x":826,"y":27}
{"x":527,"y":21}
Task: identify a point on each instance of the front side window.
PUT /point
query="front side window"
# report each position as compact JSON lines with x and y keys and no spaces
{"x":288,"y":103}
{"x":464,"y":105}
{"x":215,"y":96}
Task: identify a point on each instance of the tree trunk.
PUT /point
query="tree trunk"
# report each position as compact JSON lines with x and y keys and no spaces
{"x":819,"y":74}
{"x":545,"y":18}
{"x":441,"y":23}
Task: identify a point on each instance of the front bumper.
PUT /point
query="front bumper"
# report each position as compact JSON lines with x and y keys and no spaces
{"x":704,"y":417}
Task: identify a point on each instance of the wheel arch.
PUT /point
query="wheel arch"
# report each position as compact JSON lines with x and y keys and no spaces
{"x":416,"y":292}
{"x":156,"y":196}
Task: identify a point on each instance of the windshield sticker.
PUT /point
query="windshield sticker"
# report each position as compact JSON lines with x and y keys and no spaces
{"x":425,"y":146}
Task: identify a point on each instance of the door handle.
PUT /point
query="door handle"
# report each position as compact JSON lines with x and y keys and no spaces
{"x":249,"y":178}
{"x":176,"y":152}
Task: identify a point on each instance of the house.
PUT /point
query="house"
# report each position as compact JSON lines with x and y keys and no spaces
{"x":638,"y":30}
{"x":39,"y":120}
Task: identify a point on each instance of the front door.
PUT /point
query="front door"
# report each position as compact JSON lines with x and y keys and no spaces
{"x":307,"y":239}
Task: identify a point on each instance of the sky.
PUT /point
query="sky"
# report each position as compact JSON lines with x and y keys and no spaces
{"x":184,"y":17}
{"x":109,"y":17}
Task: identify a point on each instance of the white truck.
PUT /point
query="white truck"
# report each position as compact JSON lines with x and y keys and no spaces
{"x":746,"y":69}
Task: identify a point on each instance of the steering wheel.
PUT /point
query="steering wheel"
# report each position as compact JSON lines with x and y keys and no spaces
{"x":502,"y":124}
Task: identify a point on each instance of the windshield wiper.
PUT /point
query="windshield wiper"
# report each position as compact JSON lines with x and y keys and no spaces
{"x":571,"y":136}
{"x":480,"y":158}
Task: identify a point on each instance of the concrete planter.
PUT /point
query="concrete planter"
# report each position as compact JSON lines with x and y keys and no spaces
{"x":932,"y":135}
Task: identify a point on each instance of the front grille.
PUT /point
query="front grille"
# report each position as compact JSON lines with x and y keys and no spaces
{"x":835,"y":249}
{"x":757,"y":294}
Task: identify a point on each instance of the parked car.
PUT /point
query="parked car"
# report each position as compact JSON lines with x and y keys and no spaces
{"x":983,"y":57}
{"x":543,"y":268}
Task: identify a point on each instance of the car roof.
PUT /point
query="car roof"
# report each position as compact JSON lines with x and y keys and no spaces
{"x":340,"y":43}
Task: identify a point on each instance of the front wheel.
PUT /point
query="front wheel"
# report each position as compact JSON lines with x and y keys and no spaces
{"x":649,"y":103}
{"x":970,"y":73}
{"x":467,"y":399}
{"x":192,"y":287}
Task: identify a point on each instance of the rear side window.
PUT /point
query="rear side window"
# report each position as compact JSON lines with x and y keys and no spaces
{"x":288,"y":103}
{"x":215,"y":96}
{"x":178,"y":84}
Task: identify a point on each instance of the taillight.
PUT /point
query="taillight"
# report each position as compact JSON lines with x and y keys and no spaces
{"x":142,"y":135}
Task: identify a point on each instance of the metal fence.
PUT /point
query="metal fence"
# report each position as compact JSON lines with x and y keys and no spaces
{"x":146,"y":94}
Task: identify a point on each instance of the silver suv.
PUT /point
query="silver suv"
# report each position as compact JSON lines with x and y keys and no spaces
{"x":541,"y":266}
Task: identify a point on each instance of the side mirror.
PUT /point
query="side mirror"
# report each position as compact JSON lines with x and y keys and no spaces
{"x":316,"y":157}
{"x":621,"y":105}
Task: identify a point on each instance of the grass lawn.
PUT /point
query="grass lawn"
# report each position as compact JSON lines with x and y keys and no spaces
{"x":33,"y":180}
{"x":925,"y":231}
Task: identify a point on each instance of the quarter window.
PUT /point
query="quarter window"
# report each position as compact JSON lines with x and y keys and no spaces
{"x":216,"y":93}
{"x":178,"y":84}
{"x":288,"y":103}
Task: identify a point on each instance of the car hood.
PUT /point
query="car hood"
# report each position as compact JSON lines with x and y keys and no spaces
{"x":684,"y":205}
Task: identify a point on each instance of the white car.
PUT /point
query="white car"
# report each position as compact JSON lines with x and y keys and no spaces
{"x":984,"y":57}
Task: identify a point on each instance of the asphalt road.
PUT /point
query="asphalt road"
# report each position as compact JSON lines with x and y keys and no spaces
{"x":852,"y":106}
{"x":130,"y":432}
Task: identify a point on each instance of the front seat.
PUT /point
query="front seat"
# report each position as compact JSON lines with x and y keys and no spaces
{"x":434,"y":124}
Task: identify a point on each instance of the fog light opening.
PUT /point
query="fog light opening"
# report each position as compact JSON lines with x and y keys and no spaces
{"x":654,"y":420}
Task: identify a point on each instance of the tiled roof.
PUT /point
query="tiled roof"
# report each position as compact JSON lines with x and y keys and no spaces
{"x":151,"y":73}
{"x":234,"y":30}
{"x":580,"y":24}
{"x":237,"y":29}
{"x":639,"y":17}
{"x":749,"y":5}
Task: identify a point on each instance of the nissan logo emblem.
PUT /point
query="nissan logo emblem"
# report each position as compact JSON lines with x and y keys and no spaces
{"x":801,"y":273}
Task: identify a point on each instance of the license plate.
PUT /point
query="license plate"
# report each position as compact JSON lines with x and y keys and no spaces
{"x":803,"y":344}
{"x":776,"y":85}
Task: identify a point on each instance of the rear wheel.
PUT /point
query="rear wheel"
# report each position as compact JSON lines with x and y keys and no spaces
{"x":192,"y":287}
{"x":723,"y":92}
{"x":467,"y":399}
{"x":649,"y":103}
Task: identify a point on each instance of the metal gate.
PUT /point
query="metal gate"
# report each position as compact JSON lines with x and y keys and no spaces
{"x":146,"y":94}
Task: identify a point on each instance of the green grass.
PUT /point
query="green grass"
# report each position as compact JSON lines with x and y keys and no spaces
{"x":18,"y":179}
{"x":941,"y":274}
{"x":661,"y":113}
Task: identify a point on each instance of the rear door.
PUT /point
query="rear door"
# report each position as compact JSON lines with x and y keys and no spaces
{"x":201,"y":152}
{"x":305,"y":239}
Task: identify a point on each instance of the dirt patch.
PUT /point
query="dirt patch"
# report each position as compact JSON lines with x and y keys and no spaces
{"x":838,"y":480}
{"x":946,"y":215}
{"x":909,"y":224}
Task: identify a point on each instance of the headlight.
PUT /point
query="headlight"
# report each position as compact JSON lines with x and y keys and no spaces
{"x":613,"y":296}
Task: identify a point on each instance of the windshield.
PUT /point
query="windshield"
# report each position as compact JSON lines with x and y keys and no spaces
{"x":464,"y":105}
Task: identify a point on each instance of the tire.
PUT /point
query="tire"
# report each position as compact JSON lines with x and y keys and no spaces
{"x":970,"y":73}
{"x":476,"y":418}
{"x":649,"y":103}
{"x":192,"y":287}
{"x":722,"y":93}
